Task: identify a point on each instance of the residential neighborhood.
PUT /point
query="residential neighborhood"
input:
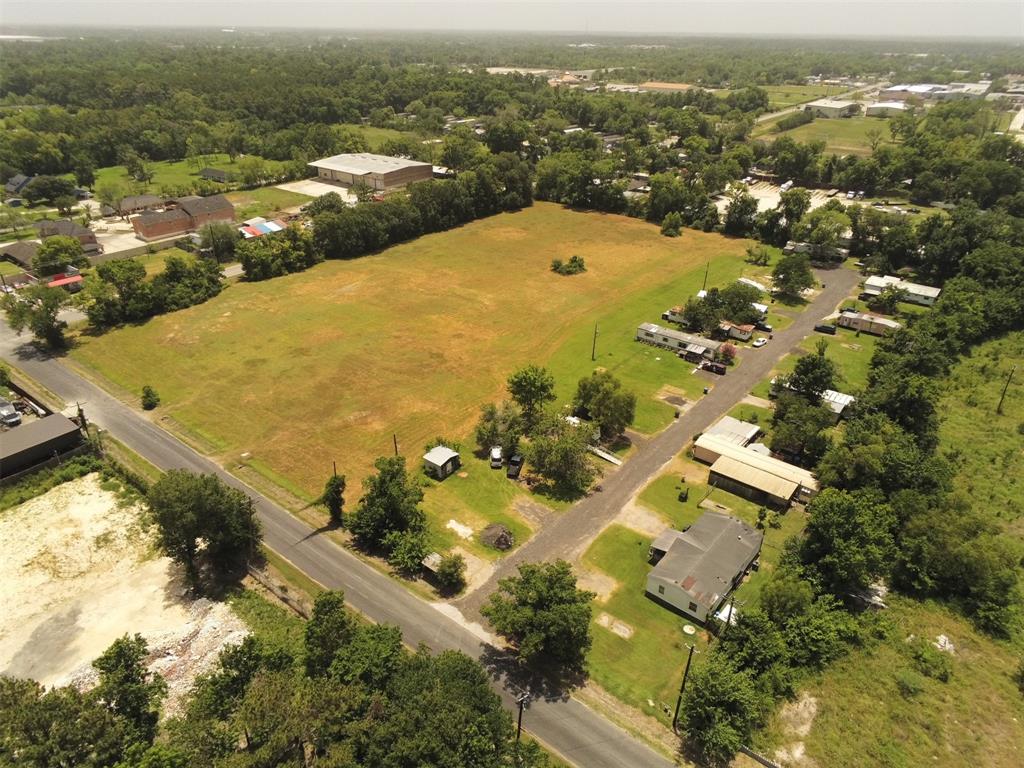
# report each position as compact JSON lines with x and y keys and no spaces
{"x":490,"y":385}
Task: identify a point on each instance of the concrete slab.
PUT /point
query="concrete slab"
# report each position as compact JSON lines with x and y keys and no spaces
{"x":316,"y":188}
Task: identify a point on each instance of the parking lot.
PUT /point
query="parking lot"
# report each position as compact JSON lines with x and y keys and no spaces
{"x":768,"y":195}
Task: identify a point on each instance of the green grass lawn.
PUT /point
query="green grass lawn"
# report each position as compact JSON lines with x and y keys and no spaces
{"x":648,"y":665}
{"x":375,"y":137}
{"x":176,"y":173}
{"x":782,"y":96}
{"x":155,"y":263}
{"x":842,"y":136}
{"x":264,"y":201}
{"x":852,"y":354}
{"x":9,"y":268}
{"x":413,"y":340}
{"x":987,"y":443}
{"x":863,"y":720}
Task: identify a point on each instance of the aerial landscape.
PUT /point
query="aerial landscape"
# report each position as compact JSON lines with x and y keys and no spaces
{"x":512,"y":385}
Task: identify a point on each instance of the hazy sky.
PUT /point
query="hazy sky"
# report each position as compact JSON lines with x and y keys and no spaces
{"x":862,"y":18}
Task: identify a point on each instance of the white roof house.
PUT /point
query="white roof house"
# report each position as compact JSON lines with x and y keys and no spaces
{"x":734,"y":430}
{"x":916,"y":293}
{"x":833,"y":107}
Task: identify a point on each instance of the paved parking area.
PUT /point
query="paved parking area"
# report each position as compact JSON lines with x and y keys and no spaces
{"x":767,"y":196}
{"x":315,"y":188}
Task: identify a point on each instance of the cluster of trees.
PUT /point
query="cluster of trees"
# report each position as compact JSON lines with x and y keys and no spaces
{"x":276,"y":254}
{"x":558,"y":449}
{"x":349,"y":695}
{"x":120,"y":291}
{"x":574,"y":266}
{"x":498,"y":183}
{"x":733,"y":302}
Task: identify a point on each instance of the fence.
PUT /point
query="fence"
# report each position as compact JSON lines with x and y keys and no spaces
{"x":758,"y":757}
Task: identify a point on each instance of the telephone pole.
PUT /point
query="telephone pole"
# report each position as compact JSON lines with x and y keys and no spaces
{"x":394,"y":437}
{"x":682,"y":687}
{"x":707,"y":268}
{"x":1006,"y":386}
{"x":593,"y":348}
{"x":521,"y":700}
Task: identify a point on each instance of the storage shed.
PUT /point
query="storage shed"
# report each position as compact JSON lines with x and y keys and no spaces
{"x":34,"y":442}
{"x":441,"y":461}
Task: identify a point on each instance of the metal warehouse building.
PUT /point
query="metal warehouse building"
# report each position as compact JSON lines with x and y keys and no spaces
{"x":35,"y":442}
{"x":379,"y":172}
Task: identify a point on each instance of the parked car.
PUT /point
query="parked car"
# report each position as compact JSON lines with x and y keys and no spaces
{"x":761,"y":325}
{"x":515,"y":466}
{"x":9,"y":415}
{"x":496,"y":457}
{"x":850,"y":195}
{"x":826,"y":328}
{"x":758,"y":343}
{"x":718,"y":368}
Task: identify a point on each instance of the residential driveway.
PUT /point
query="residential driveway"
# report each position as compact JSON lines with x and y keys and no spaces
{"x":568,"y":535}
{"x":315,"y":188}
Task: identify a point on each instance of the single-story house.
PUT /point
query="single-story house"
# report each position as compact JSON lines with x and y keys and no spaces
{"x":17,"y":183}
{"x":689,"y":346}
{"x":215,"y":174}
{"x":69,"y":228}
{"x":441,"y":461}
{"x":182,"y":215}
{"x":20,"y":253}
{"x":865,"y":322}
{"x":752,"y":475}
{"x":735,"y":331}
{"x":734,"y":430}
{"x":837,"y":402}
{"x":379,"y":172}
{"x":697,"y":568}
{"x":37,"y":441}
{"x":925,"y":295}
{"x":833,"y":108}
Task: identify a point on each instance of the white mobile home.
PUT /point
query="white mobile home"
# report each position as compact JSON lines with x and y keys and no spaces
{"x":687,"y":344}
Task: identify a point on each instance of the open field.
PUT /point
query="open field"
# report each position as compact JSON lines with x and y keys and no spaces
{"x":842,"y":136}
{"x":988,"y":443}
{"x":176,"y":173}
{"x":375,"y":137}
{"x":79,"y":572}
{"x":328,"y":364}
{"x":264,"y":201}
{"x":864,"y":720}
{"x":782,"y":96}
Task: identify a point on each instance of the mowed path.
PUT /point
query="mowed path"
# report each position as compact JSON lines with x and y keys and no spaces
{"x":568,"y":535}
{"x":329,"y":364}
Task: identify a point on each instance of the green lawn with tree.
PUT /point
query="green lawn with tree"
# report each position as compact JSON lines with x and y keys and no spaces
{"x":842,"y":136}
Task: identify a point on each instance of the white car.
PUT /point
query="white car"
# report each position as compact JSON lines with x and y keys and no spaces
{"x":758,"y":343}
{"x":496,"y":457}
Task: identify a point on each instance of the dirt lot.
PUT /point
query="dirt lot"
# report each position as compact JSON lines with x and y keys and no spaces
{"x":79,"y":572}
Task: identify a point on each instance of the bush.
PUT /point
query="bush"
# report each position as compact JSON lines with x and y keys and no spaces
{"x":672,"y":224}
{"x":574,"y":266}
{"x":794,"y":120}
{"x":451,"y":574}
{"x":930,"y":661}
{"x":909,"y":683}
{"x":406,"y":550}
{"x":150,"y":399}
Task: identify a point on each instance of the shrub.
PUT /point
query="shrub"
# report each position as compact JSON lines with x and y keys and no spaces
{"x":672,"y":224}
{"x":793,"y":120}
{"x":150,"y":399}
{"x":451,"y":574}
{"x":574,"y":266}
{"x":406,"y":550}
{"x":909,"y":683}
{"x":930,"y":661}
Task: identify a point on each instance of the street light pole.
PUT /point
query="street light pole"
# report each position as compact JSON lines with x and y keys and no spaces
{"x":682,"y":687}
{"x":521,"y":700}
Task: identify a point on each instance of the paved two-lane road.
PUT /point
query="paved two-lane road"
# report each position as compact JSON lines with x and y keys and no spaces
{"x":568,"y":534}
{"x":576,"y":732}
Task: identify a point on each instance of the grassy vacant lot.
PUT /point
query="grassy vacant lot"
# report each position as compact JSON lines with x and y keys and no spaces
{"x":375,"y":137}
{"x":988,"y":443}
{"x":155,"y":263}
{"x":842,"y":136}
{"x":782,"y":96}
{"x":176,"y":172}
{"x":264,"y":201}
{"x":864,"y":719}
{"x":851,"y":353}
{"x":328,"y":364}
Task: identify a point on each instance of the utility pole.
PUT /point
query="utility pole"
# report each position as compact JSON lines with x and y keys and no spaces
{"x":521,"y":700}
{"x":682,"y":687}
{"x":1006,"y":386}
{"x":707,"y":268}
{"x":593,"y":349}
{"x":394,"y":437}
{"x":335,"y":468}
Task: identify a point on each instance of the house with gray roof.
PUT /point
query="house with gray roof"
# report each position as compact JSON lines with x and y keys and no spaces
{"x":696,"y":569}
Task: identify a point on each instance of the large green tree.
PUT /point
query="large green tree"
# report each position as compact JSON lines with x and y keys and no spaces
{"x":500,"y":425}
{"x":814,"y":373}
{"x":544,"y":614}
{"x":200,"y":514}
{"x":792,"y":275}
{"x":128,"y":688}
{"x":37,"y":309}
{"x":559,"y":452}
{"x":532,"y":388}
{"x":329,"y":628}
{"x":600,"y":397}
{"x":390,"y":504}
{"x":56,"y":254}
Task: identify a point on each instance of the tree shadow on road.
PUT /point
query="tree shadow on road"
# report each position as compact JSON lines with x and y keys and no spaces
{"x":549,"y":683}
